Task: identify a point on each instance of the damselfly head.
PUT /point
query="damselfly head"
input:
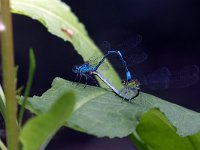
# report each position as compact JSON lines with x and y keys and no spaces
{"x":124,"y":82}
{"x":75,"y":69}
{"x":135,"y":83}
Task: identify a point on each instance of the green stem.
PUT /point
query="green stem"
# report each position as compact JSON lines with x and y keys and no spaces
{"x":32,"y":65}
{"x":9,"y":78}
{"x":2,"y":146}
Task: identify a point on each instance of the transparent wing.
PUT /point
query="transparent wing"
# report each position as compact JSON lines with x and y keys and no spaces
{"x":135,"y":57}
{"x":104,"y":66}
{"x":94,"y":61}
{"x":131,"y":52}
{"x":190,"y":69}
{"x":185,"y":77}
{"x":130,"y":43}
{"x":163,"y":79}
{"x":157,"y":80}
{"x":105,"y":46}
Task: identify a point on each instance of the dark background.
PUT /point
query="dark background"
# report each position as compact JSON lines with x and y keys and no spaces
{"x":170,"y":31}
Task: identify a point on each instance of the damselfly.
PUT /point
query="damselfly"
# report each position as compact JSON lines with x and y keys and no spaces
{"x":87,"y":70}
{"x":131,"y":86}
{"x":137,"y":56}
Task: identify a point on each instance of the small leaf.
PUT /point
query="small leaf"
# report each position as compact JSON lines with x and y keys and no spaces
{"x":135,"y":138}
{"x":32,"y":65}
{"x":100,"y":112}
{"x":2,"y":102}
{"x":38,"y":131}
{"x":2,"y":145}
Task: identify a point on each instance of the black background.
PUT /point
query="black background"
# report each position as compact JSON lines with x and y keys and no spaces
{"x":170,"y":31}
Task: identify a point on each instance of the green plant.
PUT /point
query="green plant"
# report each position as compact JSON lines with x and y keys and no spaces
{"x":150,"y":122}
{"x":9,"y":78}
{"x":59,"y":111}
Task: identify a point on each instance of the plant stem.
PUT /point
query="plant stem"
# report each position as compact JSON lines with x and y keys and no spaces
{"x":9,"y":78}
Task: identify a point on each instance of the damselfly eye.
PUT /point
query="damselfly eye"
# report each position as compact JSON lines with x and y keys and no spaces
{"x":75,"y":69}
{"x":123,"y":82}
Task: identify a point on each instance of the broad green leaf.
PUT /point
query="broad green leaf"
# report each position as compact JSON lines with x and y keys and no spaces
{"x":2,"y":102}
{"x":160,"y":134}
{"x":38,"y":131}
{"x":58,"y":18}
{"x":100,"y":112}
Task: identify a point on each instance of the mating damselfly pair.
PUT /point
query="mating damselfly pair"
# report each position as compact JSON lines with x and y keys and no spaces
{"x":160,"y":79}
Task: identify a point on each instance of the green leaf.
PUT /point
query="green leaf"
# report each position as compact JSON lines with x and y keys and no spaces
{"x":32,"y":65}
{"x":100,"y":112}
{"x":38,"y":131}
{"x":58,"y":18}
{"x":135,"y":138}
{"x":2,"y":145}
{"x":160,"y":134}
{"x":2,"y":102}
